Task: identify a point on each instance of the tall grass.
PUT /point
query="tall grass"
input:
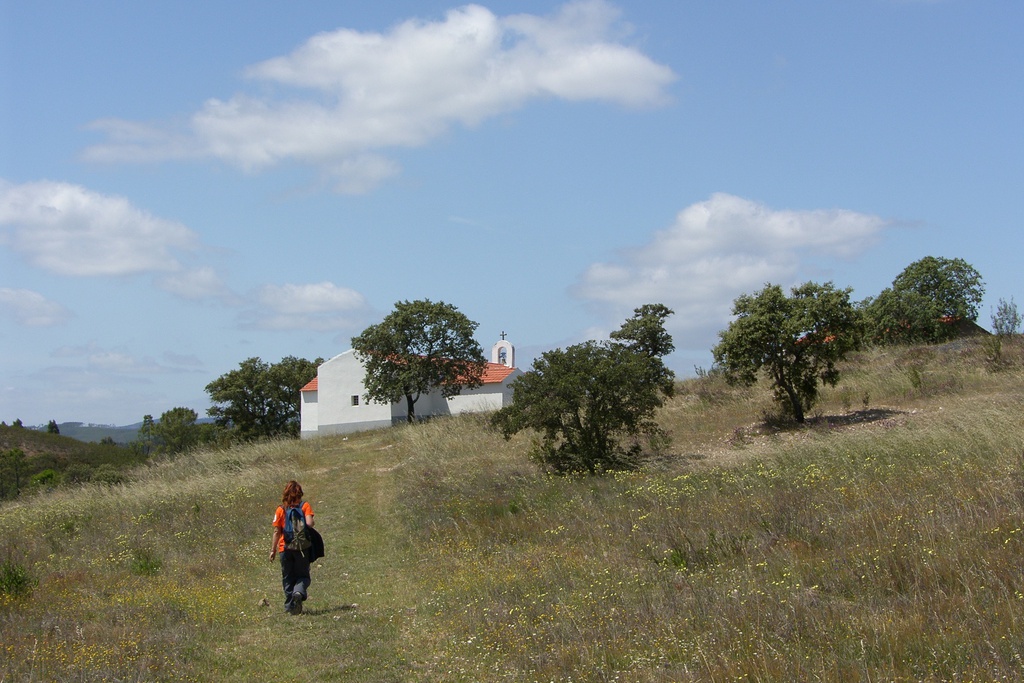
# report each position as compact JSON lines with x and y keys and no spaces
{"x":131,"y":577}
{"x":883,"y":548}
{"x":882,"y":541}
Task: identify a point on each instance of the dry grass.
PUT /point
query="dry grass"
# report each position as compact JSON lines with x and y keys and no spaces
{"x":879,"y":542}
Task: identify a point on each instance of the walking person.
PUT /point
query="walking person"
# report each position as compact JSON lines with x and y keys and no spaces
{"x":294,"y":561}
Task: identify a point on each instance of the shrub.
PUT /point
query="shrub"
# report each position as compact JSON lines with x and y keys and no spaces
{"x":145,"y":562}
{"x":77,"y":473}
{"x":15,"y":580}
{"x":1006,"y":320}
{"x":48,"y":478}
{"x":594,"y":404}
{"x":108,"y":474}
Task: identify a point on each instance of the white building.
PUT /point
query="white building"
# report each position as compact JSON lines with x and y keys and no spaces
{"x":334,"y":401}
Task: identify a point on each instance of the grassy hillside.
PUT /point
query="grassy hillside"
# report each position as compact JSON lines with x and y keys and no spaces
{"x":883,"y":541}
{"x":71,"y":459}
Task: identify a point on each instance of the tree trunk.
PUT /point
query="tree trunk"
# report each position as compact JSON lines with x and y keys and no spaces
{"x":797,"y":404}
{"x":794,"y":398}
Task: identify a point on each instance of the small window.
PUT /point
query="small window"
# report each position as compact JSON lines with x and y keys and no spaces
{"x":355,"y":400}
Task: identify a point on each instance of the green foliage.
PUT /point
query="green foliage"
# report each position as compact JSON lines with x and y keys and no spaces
{"x":14,"y":472}
{"x":903,"y":318}
{"x":419,"y":347}
{"x":177,"y":430}
{"x":261,"y":400}
{"x":27,"y":454}
{"x":645,"y":332}
{"x":15,"y":580}
{"x":146,"y":439}
{"x":48,"y":478}
{"x":52,"y":427}
{"x":76,"y":473}
{"x":593,"y":401}
{"x":144,"y":562}
{"x":796,"y":340}
{"x":108,"y":474}
{"x":1006,"y":321}
{"x":952,"y":284}
{"x":924,"y":303}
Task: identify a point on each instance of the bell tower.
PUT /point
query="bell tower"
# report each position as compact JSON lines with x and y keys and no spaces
{"x":503,"y":353}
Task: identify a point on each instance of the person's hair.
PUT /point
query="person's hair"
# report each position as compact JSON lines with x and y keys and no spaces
{"x":292,"y":494}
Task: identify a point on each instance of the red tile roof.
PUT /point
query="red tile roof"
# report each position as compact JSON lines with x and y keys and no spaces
{"x":494,"y":373}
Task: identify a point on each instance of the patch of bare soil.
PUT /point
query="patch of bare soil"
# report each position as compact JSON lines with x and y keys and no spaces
{"x":759,"y":438}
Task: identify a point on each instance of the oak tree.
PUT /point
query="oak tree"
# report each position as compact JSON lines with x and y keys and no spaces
{"x":593,"y":404}
{"x":259,"y":399}
{"x":795,"y":340}
{"x":177,"y":430}
{"x":925,"y":302}
{"x":418,"y":348}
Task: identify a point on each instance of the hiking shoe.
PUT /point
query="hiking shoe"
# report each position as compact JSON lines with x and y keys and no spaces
{"x":297,"y":603}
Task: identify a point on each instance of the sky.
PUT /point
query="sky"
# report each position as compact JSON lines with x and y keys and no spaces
{"x":186,"y":185}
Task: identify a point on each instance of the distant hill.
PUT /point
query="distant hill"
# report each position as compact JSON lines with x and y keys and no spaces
{"x":93,"y":433}
{"x":59,"y":451}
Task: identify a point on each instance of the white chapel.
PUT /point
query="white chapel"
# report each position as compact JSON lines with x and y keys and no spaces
{"x":333,"y":402}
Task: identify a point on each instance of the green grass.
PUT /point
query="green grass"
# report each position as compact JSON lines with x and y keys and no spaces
{"x":882,"y":541}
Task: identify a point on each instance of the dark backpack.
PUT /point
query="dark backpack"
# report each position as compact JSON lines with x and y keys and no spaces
{"x":296,"y":534}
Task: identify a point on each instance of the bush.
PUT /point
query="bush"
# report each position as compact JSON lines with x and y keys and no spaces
{"x":77,"y":473}
{"x":145,"y":562}
{"x":15,"y":580}
{"x":1006,"y":321}
{"x":593,"y":405}
{"x":46,"y":479}
{"x":108,"y":474}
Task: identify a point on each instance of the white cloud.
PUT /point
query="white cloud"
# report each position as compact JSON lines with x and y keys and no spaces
{"x":31,"y":309}
{"x":69,"y":230}
{"x":715,"y":251}
{"x":110,"y":362}
{"x":360,"y":173}
{"x":322,"y":306}
{"x":196,"y":284}
{"x":360,"y":93}
{"x":189,"y":362}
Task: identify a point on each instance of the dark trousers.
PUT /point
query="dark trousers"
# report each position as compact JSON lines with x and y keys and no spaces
{"x":294,"y":575}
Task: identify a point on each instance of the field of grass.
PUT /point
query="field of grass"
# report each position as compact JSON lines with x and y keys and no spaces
{"x":883,"y":541}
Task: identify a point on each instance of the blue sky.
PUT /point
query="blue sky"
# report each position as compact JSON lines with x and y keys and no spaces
{"x":185,"y":185}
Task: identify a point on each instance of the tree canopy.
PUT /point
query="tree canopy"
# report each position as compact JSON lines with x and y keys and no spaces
{"x":645,"y":331}
{"x":261,"y":400}
{"x":177,"y":430}
{"x":420,"y":347}
{"x":925,"y":302}
{"x":953,"y":284}
{"x":796,"y":340}
{"x":903,"y":318}
{"x":593,"y":402}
